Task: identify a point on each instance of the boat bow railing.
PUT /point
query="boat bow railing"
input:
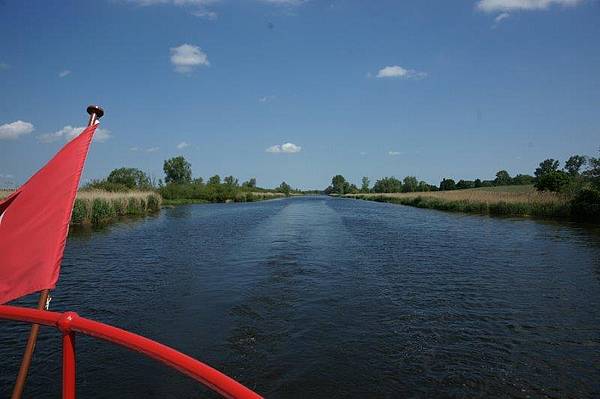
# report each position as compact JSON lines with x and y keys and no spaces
{"x":70,"y":323}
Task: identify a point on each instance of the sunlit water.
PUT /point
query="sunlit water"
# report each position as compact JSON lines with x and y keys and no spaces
{"x":319,"y":297}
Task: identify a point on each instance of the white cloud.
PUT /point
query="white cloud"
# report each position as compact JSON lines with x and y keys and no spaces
{"x":182,"y":145}
{"x":206,"y":14}
{"x":287,"y":148}
{"x":396,"y":71}
{"x":515,"y":5}
{"x":14,"y":130}
{"x":200,"y":8}
{"x":284,"y":2}
{"x":187,"y":57}
{"x":68,"y":133}
{"x":501,"y":17}
{"x":139,"y":149}
{"x":394,"y":153}
{"x":266,"y":99}
{"x":64,"y":73}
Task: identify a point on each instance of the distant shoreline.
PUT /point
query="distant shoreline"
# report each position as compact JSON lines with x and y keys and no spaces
{"x":501,"y":201}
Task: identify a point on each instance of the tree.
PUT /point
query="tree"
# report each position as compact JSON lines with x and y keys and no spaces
{"x":177,"y":170}
{"x":131,"y":178}
{"x":464,"y":184}
{"x":387,"y":185}
{"x":214,"y":180}
{"x":593,"y":171}
{"x":250,"y":183}
{"x":574,"y":165}
{"x":423,"y":186}
{"x":230,"y":181}
{"x":339,"y":184}
{"x":365,"y":185}
{"x":198,"y":181}
{"x":410,"y":184}
{"x":284,"y":188}
{"x":477,"y":183}
{"x":447,"y":184}
{"x":547,"y":166}
{"x":502,"y":178}
{"x":552,"y":181}
{"x":522,"y":180}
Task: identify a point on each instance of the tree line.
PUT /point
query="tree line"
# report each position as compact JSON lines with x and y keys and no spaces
{"x":180,"y":185}
{"x":579,"y":172}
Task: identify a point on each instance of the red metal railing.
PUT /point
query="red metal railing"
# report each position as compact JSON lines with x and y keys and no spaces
{"x":70,"y":323}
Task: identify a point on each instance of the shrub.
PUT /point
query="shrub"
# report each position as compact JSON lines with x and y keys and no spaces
{"x":552,"y":181}
{"x":586,"y":205}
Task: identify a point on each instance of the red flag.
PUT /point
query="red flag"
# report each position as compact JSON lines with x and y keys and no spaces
{"x":34,"y":222}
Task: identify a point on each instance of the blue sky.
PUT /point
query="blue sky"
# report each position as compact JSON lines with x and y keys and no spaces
{"x":302,"y":90}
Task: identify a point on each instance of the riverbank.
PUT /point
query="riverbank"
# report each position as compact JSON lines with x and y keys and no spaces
{"x":239,"y":197}
{"x":97,"y":208}
{"x":520,"y":201}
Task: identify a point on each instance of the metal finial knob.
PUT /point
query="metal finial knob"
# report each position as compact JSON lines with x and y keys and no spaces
{"x":94,"y":109}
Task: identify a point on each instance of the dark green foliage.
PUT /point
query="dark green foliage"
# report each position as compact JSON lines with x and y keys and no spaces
{"x":410,"y":184}
{"x":105,"y":186}
{"x":477,"y":183}
{"x":546,"y":166}
{"x":388,"y":185}
{"x":522,"y":180}
{"x":464,"y":184}
{"x":502,"y":178}
{"x":574,"y":164}
{"x":230,"y":181}
{"x":552,"y":181}
{"x":250,"y":183}
{"x":447,"y":184}
{"x":214,"y":180}
{"x":284,"y":188}
{"x":586,"y":205}
{"x":339,"y":185}
{"x":131,"y":178}
{"x":177,"y":170}
{"x":364,"y":188}
{"x":593,"y":172}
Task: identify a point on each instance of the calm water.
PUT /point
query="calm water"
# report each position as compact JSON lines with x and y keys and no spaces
{"x":320,"y":297}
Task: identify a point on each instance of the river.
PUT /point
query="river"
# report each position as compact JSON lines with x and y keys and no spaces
{"x":318,"y":297}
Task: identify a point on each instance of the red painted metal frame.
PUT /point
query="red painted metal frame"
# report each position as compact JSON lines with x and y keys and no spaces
{"x":70,"y":323}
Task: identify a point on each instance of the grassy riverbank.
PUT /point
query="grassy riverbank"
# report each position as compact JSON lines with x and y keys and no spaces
{"x":97,"y":208}
{"x":503,"y":200}
{"x":236,"y":197}
{"x":101,"y":207}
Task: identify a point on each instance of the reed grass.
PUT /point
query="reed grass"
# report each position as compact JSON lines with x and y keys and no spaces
{"x":101,"y":207}
{"x":507,"y":203}
{"x":96,"y":207}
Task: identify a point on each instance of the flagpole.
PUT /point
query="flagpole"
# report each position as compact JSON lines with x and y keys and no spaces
{"x":95,"y":113}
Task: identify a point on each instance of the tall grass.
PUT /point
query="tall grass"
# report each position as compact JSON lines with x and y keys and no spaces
{"x":101,"y":207}
{"x":515,"y":203}
{"x":96,"y":207}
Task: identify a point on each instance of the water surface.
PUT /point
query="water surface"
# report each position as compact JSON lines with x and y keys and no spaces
{"x":320,"y":297}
